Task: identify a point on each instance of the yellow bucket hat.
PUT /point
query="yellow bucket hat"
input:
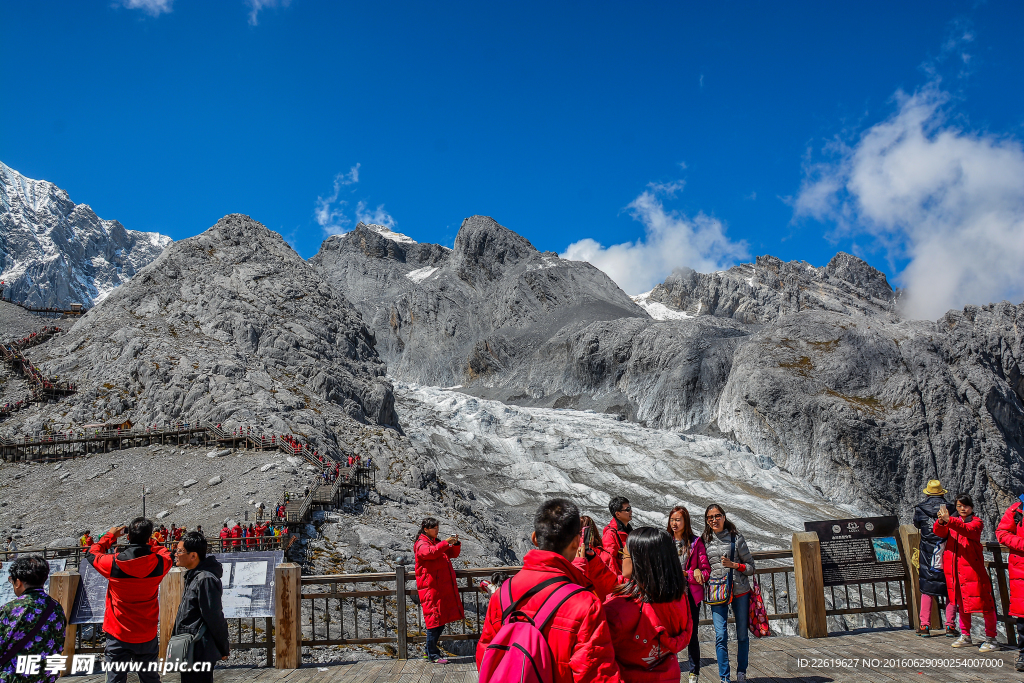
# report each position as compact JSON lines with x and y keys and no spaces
{"x":934,"y":488}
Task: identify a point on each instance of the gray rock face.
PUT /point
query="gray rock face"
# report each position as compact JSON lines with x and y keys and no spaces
{"x":230,"y":326}
{"x":762,"y":291}
{"x":447,"y":316}
{"x":54,"y":252}
{"x":810,"y":367}
{"x":871,"y":408}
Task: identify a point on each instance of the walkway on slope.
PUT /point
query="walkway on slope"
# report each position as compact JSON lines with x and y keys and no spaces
{"x":875,"y":656}
{"x":43,"y":388}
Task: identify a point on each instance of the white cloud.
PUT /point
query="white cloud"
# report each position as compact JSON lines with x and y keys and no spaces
{"x":256,"y":5}
{"x":377,"y":217}
{"x":671,"y":240}
{"x":949,"y":200}
{"x":151,"y":7}
{"x":328,"y":213}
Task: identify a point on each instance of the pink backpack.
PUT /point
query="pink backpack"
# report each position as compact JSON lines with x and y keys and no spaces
{"x":519,"y":652}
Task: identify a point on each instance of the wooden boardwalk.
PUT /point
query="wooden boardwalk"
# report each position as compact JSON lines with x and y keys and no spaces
{"x":772,"y":660}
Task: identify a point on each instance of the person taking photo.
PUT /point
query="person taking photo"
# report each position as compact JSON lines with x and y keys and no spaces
{"x":963,"y":561}
{"x":133,"y":583}
{"x":438,"y":588}
{"x":1010,"y":533}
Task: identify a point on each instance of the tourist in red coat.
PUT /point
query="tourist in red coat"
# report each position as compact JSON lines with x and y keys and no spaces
{"x":1010,"y":533}
{"x":435,"y":579}
{"x":649,"y":616}
{"x":615,"y":534}
{"x":966,"y":577}
{"x":595,"y":564}
{"x":581,"y":645}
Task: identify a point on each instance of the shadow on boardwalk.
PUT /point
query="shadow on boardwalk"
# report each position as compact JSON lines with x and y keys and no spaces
{"x":772,"y":660}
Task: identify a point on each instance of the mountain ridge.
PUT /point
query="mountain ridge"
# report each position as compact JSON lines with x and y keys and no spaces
{"x":54,"y":253}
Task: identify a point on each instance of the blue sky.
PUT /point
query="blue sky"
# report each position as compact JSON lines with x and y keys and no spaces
{"x":688,"y":133}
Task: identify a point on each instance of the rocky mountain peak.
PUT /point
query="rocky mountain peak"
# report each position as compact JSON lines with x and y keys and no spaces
{"x":54,"y":252}
{"x":769,"y":288}
{"x":484,"y":249}
{"x":230,"y":326}
{"x":859,"y":274}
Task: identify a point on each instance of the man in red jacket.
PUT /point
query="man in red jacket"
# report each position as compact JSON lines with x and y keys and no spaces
{"x":225,"y":538}
{"x":134,"y":577}
{"x":236,"y":536}
{"x":614,"y":536}
{"x":578,"y":635}
{"x":1010,"y":533}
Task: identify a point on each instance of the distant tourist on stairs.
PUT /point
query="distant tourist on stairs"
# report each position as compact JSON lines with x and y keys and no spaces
{"x":1010,"y":533}
{"x":931,"y":576}
{"x":435,"y":579}
{"x":731,"y":565}
{"x":615,"y":534}
{"x":964,"y":564}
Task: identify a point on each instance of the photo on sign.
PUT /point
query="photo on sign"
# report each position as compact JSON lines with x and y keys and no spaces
{"x":886,"y":549}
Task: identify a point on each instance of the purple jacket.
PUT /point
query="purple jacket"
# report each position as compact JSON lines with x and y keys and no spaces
{"x":698,"y":560}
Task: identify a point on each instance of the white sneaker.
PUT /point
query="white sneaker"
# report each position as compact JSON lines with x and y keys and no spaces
{"x":692,"y":679}
{"x":990,"y":645}
{"x":963,"y":641}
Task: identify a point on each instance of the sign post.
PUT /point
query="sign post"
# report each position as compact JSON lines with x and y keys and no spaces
{"x":865,"y":550}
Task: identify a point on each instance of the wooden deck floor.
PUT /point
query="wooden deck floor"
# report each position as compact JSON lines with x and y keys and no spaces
{"x":772,"y":660}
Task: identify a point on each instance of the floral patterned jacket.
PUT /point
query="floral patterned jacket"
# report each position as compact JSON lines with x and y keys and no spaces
{"x":17,"y":619}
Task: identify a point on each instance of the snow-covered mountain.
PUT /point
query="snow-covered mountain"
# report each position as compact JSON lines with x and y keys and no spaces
{"x":54,"y":252}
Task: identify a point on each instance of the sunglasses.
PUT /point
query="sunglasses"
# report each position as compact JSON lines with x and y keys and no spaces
{"x":626,"y":509}
{"x":711,"y":517}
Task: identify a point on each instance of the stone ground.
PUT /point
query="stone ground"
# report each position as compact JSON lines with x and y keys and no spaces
{"x":52,"y":503}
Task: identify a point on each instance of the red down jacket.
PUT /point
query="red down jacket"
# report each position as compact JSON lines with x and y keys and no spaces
{"x":435,"y":579}
{"x":613,"y":538}
{"x":647,"y":637}
{"x":1011,"y":534}
{"x":134,"y":577}
{"x":964,"y":565}
{"x":581,"y":644}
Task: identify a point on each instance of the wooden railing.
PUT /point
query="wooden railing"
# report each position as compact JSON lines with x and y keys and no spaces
{"x":382,"y":608}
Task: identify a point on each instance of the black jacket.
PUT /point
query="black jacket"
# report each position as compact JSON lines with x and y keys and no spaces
{"x":933,"y":581}
{"x":201,"y":603}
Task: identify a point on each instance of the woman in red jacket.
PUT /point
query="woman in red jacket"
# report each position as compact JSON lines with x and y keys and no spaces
{"x":649,"y":616}
{"x":1010,"y":533}
{"x":963,"y":562}
{"x":435,"y":579}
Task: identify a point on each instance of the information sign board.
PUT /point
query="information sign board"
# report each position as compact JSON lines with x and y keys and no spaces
{"x":91,"y":599}
{"x":248,"y":582}
{"x":859,"y":550}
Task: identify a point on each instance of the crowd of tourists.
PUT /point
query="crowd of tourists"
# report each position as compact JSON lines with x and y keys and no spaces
{"x":615,"y":605}
{"x":951,"y":568}
{"x":32,"y":626}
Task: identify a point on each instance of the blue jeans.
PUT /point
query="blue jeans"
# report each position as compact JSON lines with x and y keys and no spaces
{"x":434,"y":635}
{"x":720,"y":617}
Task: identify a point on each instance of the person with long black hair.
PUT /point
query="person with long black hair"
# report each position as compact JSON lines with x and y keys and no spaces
{"x":649,"y":615}
{"x":731,"y":563}
{"x":594,"y":561}
{"x":435,"y":579}
{"x":694,"y":560}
